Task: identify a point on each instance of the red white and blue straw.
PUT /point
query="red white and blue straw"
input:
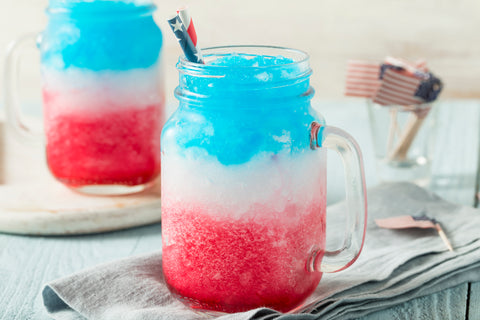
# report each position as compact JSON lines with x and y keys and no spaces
{"x":186,"y":43}
{"x":187,"y":21}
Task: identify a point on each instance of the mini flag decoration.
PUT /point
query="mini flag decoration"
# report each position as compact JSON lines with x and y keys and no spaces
{"x":397,"y":88}
{"x":392,"y":82}
{"x":395,"y":82}
{"x":189,"y":49}
{"x":405,"y":222}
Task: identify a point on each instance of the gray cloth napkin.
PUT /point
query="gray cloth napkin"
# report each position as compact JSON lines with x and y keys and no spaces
{"x":395,"y":266}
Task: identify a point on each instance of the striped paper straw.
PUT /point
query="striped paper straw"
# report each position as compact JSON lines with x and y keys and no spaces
{"x":184,"y":15}
{"x":184,"y":40}
{"x":187,"y":21}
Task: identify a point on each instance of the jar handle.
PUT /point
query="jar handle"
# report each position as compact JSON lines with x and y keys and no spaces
{"x":14,"y":117}
{"x":341,"y":142}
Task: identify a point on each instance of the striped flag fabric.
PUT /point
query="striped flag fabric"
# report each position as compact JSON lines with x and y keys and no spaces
{"x":397,"y":87}
{"x":363,"y":78}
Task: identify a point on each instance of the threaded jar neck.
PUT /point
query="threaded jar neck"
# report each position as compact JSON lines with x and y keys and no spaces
{"x":245,"y":75}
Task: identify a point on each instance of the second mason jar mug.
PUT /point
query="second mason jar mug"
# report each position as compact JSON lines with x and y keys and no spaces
{"x":244,"y":183}
{"x":102,"y":94}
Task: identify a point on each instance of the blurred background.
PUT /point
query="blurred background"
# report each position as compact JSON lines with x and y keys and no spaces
{"x":444,"y":32}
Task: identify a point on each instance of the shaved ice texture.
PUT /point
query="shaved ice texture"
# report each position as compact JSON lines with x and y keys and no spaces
{"x":243,"y":195}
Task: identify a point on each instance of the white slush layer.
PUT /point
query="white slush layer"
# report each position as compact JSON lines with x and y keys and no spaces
{"x":77,"y":89}
{"x":230,"y":191}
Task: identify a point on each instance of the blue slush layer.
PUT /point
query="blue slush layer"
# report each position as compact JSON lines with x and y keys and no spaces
{"x":247,"y":76}
{"x":237,"y":129}
{"x":100,"y":35}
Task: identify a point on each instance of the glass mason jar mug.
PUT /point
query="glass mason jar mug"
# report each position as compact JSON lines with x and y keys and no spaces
{"x":102,"y":94}
{"x":244,"y":183}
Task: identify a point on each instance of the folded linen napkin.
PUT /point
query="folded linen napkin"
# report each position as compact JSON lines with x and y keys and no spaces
{"x":395,"y":266}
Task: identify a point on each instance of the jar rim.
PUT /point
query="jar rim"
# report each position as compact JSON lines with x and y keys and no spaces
{"x":298,"y":57}
{"x":222,"y":82}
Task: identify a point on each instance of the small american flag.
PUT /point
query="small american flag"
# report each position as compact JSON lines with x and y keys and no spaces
{"x":405,"y":222}
{"x":393,"y":82}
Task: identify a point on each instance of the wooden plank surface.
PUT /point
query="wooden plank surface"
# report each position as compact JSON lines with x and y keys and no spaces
{"x":448,"y":304}
{"x":26,"y":263}
{"x":474,"y":302}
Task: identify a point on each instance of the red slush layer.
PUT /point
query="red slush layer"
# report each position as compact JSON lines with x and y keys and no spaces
{"x":119,"y":146}
{"x":231,"y":266}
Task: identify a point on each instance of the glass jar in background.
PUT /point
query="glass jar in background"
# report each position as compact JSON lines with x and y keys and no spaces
{"x":404,"y":141}
{"x":103,"y":94}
